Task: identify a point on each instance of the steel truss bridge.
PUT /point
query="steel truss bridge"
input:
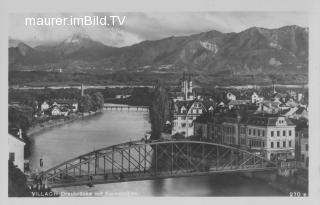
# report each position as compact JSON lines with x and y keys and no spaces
{"x":141,"y":160}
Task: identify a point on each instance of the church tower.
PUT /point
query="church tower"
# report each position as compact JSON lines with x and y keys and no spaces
{"x":186,"y":87}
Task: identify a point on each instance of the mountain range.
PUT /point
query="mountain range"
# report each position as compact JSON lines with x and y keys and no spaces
{"x":252,"y":51}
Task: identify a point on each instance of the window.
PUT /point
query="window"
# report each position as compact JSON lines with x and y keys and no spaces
{"x":271,"y":144}
{"x":272,"y":133}
{"x":283,"y":133}
{"x":278,"y":144}
{"x":278,"y":133}
{"x":262,"y":133}
{"x":262,"y":144}
{"x":249,"y":131}
{"x":289,"y":132}
{"x":284,"y":144}
{"x":258,"y":132}
{"x":290,"y":143}
{"x":11,"y":156}
{"x":307,"y":147}
{"x":302,"y":157}
{"x":254,"y":132}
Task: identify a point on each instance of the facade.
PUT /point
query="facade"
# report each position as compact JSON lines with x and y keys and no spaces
{"x":69,"y":104}
{"x":224,"y":128}
{"x":45,"y":106}
{"x":270,"y":135}
{"x":55,"y":111}
{"x":230,"y":96}
{"x":201,"y":125}
{"x":255,"y":98}
{"x":186,"y":108}
{"x":184,"y":113}
{"x":16,"y":151}
{"x":302,"y":147}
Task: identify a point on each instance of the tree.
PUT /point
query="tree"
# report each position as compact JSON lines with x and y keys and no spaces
{"x":20,"y":117}
{"x":97,"y":101}
{"x":160,"y":111}
{"x":85,"y":103}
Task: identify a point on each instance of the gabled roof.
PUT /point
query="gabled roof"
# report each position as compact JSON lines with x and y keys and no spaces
{"x":17,"y":138}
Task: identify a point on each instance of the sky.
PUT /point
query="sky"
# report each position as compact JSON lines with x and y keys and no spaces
{"x":150,"y":26}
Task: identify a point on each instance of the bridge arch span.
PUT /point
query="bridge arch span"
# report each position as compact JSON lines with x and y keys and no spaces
{"x":140,"y":160}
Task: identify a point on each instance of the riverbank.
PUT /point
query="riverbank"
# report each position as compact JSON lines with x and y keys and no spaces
{"x":42,"y":127}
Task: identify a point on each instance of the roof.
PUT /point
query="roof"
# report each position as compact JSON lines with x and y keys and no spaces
{"x":300,"y":110}
{"x":209,"y":103}
{"x":279,"y":95}
{"x":264,"y":120}
{"x":183,"y":103}
{"x":17,"y":138}
{"x":238,"y":102}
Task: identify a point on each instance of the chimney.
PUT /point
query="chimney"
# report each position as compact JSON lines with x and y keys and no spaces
{"x":20,"y":133}
{"x":82,"y":91}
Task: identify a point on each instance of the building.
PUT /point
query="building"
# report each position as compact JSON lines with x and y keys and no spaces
{"x":201,"y":125}
{"x":255,"y":98}
{"x":236,"y":104}
{"x":186,"y":108}
{"x":66,"y":103}
{"x":230,"y":96}
{"x":272,"y":136}
{"x":55,"y":111}
{"x":16,"y":150}
{"x":45,"y":106}
{"x":302,"y":146}
{"x":184,"y":112}
{"x":185,"y":89}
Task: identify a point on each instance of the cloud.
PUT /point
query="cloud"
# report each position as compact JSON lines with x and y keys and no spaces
{"x":151,"y":26}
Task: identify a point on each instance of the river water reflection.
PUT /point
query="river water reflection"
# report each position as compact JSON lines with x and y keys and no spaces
{"x":112,"y":127}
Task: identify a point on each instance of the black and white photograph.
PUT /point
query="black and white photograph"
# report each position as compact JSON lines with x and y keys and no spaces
{"x":154,"y":103}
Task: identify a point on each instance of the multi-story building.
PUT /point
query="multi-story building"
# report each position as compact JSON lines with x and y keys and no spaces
{"x":221,"y":127}
{"x":271,"y":135}
{"x":184,"y":112}
{"x":186,"y":108}
{"x":302,"y":146}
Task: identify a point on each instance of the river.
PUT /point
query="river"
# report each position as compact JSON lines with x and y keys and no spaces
{"x":112,"y":127}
